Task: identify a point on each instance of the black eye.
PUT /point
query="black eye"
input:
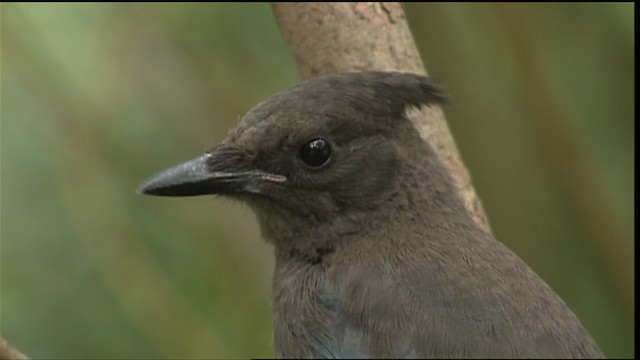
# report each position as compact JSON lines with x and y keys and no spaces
{"x":316,"y":152}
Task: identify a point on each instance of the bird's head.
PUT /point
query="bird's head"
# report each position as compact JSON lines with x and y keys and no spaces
{"x":316,"y":155}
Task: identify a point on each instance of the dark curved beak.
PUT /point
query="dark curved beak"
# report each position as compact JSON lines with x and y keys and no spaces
{"x":198,"y":177}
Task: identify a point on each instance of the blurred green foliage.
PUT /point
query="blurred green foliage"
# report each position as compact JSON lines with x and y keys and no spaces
{"x":96,"y":97}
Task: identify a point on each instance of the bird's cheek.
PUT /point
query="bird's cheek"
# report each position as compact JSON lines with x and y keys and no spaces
{"x":370,"y":190}
{"x":268,"y":192}
{"x":252,"y":188}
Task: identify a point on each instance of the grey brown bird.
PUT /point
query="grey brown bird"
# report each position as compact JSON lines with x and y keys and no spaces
{"x":376,"y":255}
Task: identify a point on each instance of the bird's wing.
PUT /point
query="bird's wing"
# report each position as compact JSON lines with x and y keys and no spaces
{"x":487,"y":304}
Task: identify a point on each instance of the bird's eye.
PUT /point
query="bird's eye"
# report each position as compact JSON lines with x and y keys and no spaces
{"x":316,"y":152}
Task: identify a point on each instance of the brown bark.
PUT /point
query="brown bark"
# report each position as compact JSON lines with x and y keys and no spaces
{"x":329,"y":38}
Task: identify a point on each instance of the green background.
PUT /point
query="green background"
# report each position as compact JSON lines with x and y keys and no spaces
{"x":97,"y":97}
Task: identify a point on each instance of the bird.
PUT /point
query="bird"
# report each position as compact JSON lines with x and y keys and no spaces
{"x":375,"y":253}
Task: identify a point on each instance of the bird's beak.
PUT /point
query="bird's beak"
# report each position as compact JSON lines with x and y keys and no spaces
{"x":213,"y":173}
